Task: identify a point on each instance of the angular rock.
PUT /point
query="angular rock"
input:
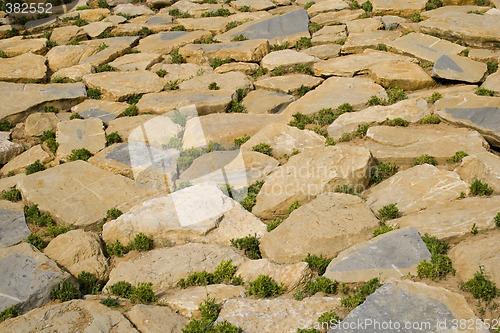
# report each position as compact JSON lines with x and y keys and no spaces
{"x":364,"y":25}
{"x":288,"y":59}
{"x":75,"y":73}
{"x":421,"y":187}
{"x":13,"y":228}
{"x":288,"y":83}
{"x":116,"y":46}
{"x":64,"y":35}
{"x":80,"y":133}
{"x":94,"y":15}
{"x":23,"y":68}
{"x":156,"y":132}
{"x":67,"y":190}
{"x":246,"y":67}
{"x":457,"y":68}
{"x":329,"y":35}
{"x":492,"y":82}
{"x":67,"y":55}
{"x":392,"y":22}
{"x":19,"y":163}
{"x":484,"y":54}
{"x":135,"y":61}
{"x":164,"y":42}
{"x":106,"y":111}
{"x":445,"y":90}
{"x":341,"y":16}
{"x":17,"y":45}
{"x":216,"y":25}
{"x":228,"y":81}
{"x":124,"y":125}
{"x":336,"y":91}
{"x":156,"y":319}
{"x":9,"y":150}
{"x":28,"y":277}
{"x":181,"y":72}
{"x":357,"y":43}
{"x":326,"y":6}
{"x":394,"y":254}
{"x":398,"y":7}
{"x":248,"y":50}
{"x":291,"y":276}
{"x":133,"y":10}
{"x":94,"y":30}
{"x":484,"y":166}
{"x":37,"y":123}
{"x":327,"y":225}
{"x":262,"y":101}
{"x":324,"y":52}
{"x":407,"y":76}
{"x":255,"y":5}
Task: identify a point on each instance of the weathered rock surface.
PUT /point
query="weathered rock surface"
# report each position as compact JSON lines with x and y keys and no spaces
{"x":164,"y":42}
{"x":17,"y":45}
{"x":492,"y":82}
{"x":64,"y":56}
{"x":249,"y":50}
{"x":228,"y":81}
{"x":79,"y":133}
{"x":357,"y":43}
{"x":19,"y":163}
{"x":407,"y":76}
{"x":9,"y":150}
{"x":106,"y":111}
{"x":454,"y":67}
{"x":288,"y":59}
{"x":156,"y":319}
{"x":156,"y":132}
{"x":13,"y":228}
{"x":398,"y":7}
{"x":27,"y":67}
{"x":37,"y":123}
{"x":135,"y":61}
{"x":181,"y":72}
{"x":288,"y":83}
{"x":484,"y":166}
{"x":261,"y":101}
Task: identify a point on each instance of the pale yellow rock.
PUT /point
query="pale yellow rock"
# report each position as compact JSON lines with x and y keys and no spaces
{"x":341,"y":16}
{"x":63,"y":35}
{"x":492,"y":82}
{"x":326,"y":6}
{"x":398,"y":7}
{"x":96,"y":104}
{"x":288,"y":83}
{"x":324,"y":52}
{"x":19,"y":163}
{"x":364,"y":25}
{"x":459,"y":89}
{"x":75,"y":73}
{"x":246,"y":67}
{"x":80,"y":133}
{"x":136,"y":61}
{"x":37,"y":123}
{"x":64,"y":56}
{"x":230,"y":81}
{"x":215,"y":25}
{"x":156,"y":319}
{"x":94,"y":15}
{"x":124,"y":125}
{"x":329,"y":35}
{"x":23,"y":68}
{"x":165,"y":42}
{"x":248,"y":50}
{"x":407,"y":76}
{"x":288,"y":59}
{"x":116,"y":46}
{"x":17,"y":45}
{"x":484,"y":166}
{"x":181,"y":72}
{"x":261,"y":101}
{"x":357,"y":43}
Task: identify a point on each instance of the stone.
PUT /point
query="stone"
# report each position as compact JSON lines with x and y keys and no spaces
{"x":454,"y":67}
{"x":288,"y":59}
{"x":484,"y":166}
{"x":187,"y":301}
{"x":106,"y":111}
{"x":248,"y":50}
{"x":288,"y":83}
{"x":119,"y":86}
{"x":215,"y":25}
{"x":292,"y":276}
{"x":21,"y":99}
{"x":237,"y":168}
{"x":64,"y":56}
{"x":402,"y":145}
{"x":277,"y":29}
{"x":188,"y":215}
{"x":392,"y":22}
{"x":133,"y":10}
{"x":181,"y":72}
{"x":39,"y":122}
{"x":398,"y":7}
{"x":324,"y":52}
{"x":67,"y":190}
{"x":351,"y":65}
{"x":164,"y":42}
{"x":156,"y":132}
{"x":336,"y":222}
{"x":94,"y":15}
{"x":124,"y":125}
{"x":159,"y":19}
{"x":254,"y":5}
{"x":364,"y":25}
{"x":411,"y":302}
{"x":420,"y":187}
{"x":203,"y":102}
{"x":341,"y":16}
{"x":116,"y":46}
{"x":27,"y":67}
{"x":17,"y":45}
{"x":336,"y":91}
{"x":277,"y":314}
{"x":28,"y":277}
{"x":77,"y":251}
{"x":484,"y":54}
{"x":357,"y":43}
{"x":79,"y":133}
{"x":481,"y":113}
{"x":492,"y":82}
{"x":135,"y":61}
{"x":96,"y":29}
{"x":246,"y":67}
{"x":326,"y":6}
{"x":329,"y":35}
{"x":393,"y":254}
{"x":13,"y":228}
{"x":164,"y":267}
{"x":9,"y":150}
{"x":64,"y":35}
{"x":224,"y":128}
{"x":470,"y":255}
{"x":75,"y":73}
{"x":19,"y":163}
{"x":156,"y":319}
{"x":481,"y":31}
{"x":407,"y":76}
{"x":72,"y":316}
{"x":229,"y":81}
{"x":453,"y":220}
{"x":445,"y":90}
{"x":284,"y":139}
{"x":411,"y":110}
{"x":262,"y":101}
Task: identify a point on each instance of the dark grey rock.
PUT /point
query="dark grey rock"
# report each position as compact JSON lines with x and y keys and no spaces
{"x":172,"y":35}
{"x":487,"y":117}
{"x":13,"y":228}
{"x":106,"y":117}
{"x":159,"y":20}
{"x":444,"y":62}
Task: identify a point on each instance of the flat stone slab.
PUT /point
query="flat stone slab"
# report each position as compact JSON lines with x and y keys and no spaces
{"x":117,"y":46}
{"x":37,"y":123}
{"x":329,"y":35}
{"x":277,"y":29}
{"x":152,"y":318}
{"x":480,"y":113}
{"x":9,"y":150}
{"x":402,"y":145}
{"x":133,"y":10}
{"x":19,"y":99}
{"x":23,"y":68}
{"x":13,"y":228}
{"x":342,"y":16}
{"x":326,"y":6}
{"x":181,"y":72}
{"x":421,"y":187}
{"x":424,"y":47}
{"x":407,"y":76}
{"x":227,"y":81}
{"x":336,"y":91}
{"x":215,"y":25}
{"x":136,"y":61}
{"x":324,"y":52}
{"x":326,"y":225}
{"x":249,"y":50}
{"x":398,"y":7}
{"x":288,"y":59}
{"x":19,"y":163}
{"x":321,"y":170}
{"x":164,"y":42}
{"x":457,"y":68}
{"x":125,"y":125}
{"x":17,"y":45}
{"x":261,"y":101}
{"x":292,"y":276}
{"x":79,"y":133}
{"x":27,"y":276}
{"x":492,"y":82}
{"x":484,"y":166}
{"x":255,"y":5}
{"x":156,"y":132}
{"x":453,"y":220}
{"x":106,"y":111}
{"x":364,"y":25}
{"x":75,"y":73}
{"x":288,"y":83}
{"x":357,"y":43}
{"x":394,"y":254}
{"x":410,"y":302}
{"x":67,"y":190}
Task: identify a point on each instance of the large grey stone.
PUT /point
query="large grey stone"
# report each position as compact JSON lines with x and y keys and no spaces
{"x":457,"y":68}
{"x":13,"y":228}
{"x":393,"y":254}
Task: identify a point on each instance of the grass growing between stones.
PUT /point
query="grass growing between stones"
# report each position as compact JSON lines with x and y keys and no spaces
{"x":434,"y":97}
{"x":320,"y":284}
{"x":80,"y":154}
{"x":457,"y":158}
{"x":210,"y":310}
{"x":430,"y":119}
{"x":303,"y":43}
{"x":34,"y":167}
{"x":36,"y":241}
{"x":240,"y":141}
{"x":65,"y":291}
{"x":33,"y":215}
{"x":484,"y":92}
{"x":143,"y":293}
{"x":274,"y":224}
{"x":425,"y":159}
{"x":389,"y":212}
{"x":382,"y":229}
{"x":112,"y":138}
{"x":10,"y":312}
{"x":358,"y":297}
{"x":75,"y":115}
{"x":329,"y":317}
{"x":250,"y":199}
{"x":93,"y":93}
{"x":382,"y":171}
{"x":89,"y":284}
{"x":478,"y":188}
{"x":480,"y":287}
{"x":249,"y":244}
{"x":317,"y":264}
{"x":111,"y":302}
{"x":12,"y":195}
{"x":224,"y":273}
{"x":265,"y":286}
{"x":49,"y":137}
{"x":140,"y":243}
{"x":440,"y":265}
{"x":263,"y":148}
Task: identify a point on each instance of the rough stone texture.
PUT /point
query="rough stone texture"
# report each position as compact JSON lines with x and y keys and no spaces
{"x":72,"y":316}
{"x":364,"y":25}
{"x":246,"y":67}
{"x":262,"y":101}
{"x":64,"y":56}
{"x":480,"y":113}
{"x":66,"y":191}
{"x":63,"y":35}
{"x":117,"y":46}
{"x":324,"y":52}
{"x":215,"y":25}
{"x":402,"y":145}
{"x":421,"y":187}
{"x":124,"y":125}
{"x":470,"y":254}
{"x":80,"y":133}
{"x":19,"y":163}
{"x":341,"y":16}
{"x":19,"y":99}
{"x":78,"y":251}
{"x":13,"y":228}
{"x":228,"y":81}
{"x":164,"y":267}
{"x":27,"y":67}
{"x":484,"y":54}
{"x":277,"y":29}
{"x":156,"y":132}
{"x":136,"y":61}
{"x":457,"y":89}
{"x":336,"y":91}
{"x":9,"y":150}
{"x":284,"y":139}
{"x":424,"y":47}
{"x":17,"y":45}
{"x":275,"y":315}
{"x":357,"y":43}
{"x":37,"y":123}
{"x":484,"y":166}
{"x":287,"y":83}
{"x":133,"y":10}
{"x":326,"y":6}
{"x":291,"y":276}
{"x":394,"y":254}
{"x":75,"y":73}
{"x":411,"y":110}
{"x":181,"y":72}
{"x":453,"y":220}
{"x":255,"y":5}
{"x":411,"y":302}
{"x":407,"y":76}
{"x":106,"y":111}
{"x":492,"y":82}
{"x":398,"y":7}
{"x":119,"y":86}
{"x":164,"y":42}
{"x":27,"y":276}
{"x":249,"y":50}
{"x":288,"y":59}
{"x":329,"y":35}
{"x":156,"y":319}
{"x":327,"y":225}
{"x":454,"y":67}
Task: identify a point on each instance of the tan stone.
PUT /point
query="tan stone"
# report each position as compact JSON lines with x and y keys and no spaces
{"x":492,"y":82}
{"x":246,"y":67}
{"x":64,"y":35}
{"x":37,"y":123}
{"x":94,"y":15}
{"x":454,"y":67}
{"x":324,"y":52}
{"x":115,"y":108}
{"x":9,"y":150}
{"x":80,"y":133}
{"x":23,"y":68}
{"x":124,"y":125}
{"x":75,"y":73}
{"x":165,"y":42}
{"x":407,"y":76}
{"x":458,"y":89}
{"x":364,"y":25}
{"x":248,"y":50}
{"x":17,"y":45}
{"x":262,"y":101}
{"x":398,"y":7}
{"x":357,"y":43}
{"x":341,"y":16}
{"x":288,"y":59}
{"x":67,"y":55}
{"x":329,"y":35}
{"x":116,"y":46}
{"x":215,"y":25}
{"x":288,"y":83}
{"x":228,"y":81}
{"x":484,"y":166}
{"x":136,"y":61}
{"x":484,"y":54}
{"x":19,"y":163}
{"x":181,"y":72}
{"x":156,"y":319}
